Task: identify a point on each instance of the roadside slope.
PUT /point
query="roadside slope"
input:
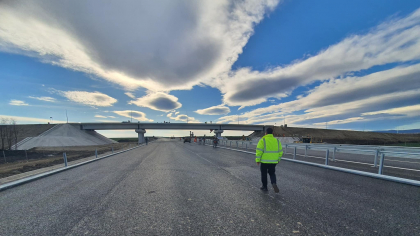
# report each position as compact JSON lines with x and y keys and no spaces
{"x":343,"y":136}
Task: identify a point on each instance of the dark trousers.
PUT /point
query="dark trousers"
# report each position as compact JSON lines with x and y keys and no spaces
{"x":271,"y":169}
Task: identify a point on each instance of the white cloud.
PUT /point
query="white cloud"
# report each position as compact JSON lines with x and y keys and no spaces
{"x":96,"y":99}
{"x":411,"y":111}
{"x":415,"y":125}
{"x":131,"y":95}
{"x":347,"y":97}
{"x":339,"y":122}
{"x":101,"y":116}
{"x":394,"y":41}
{"x":18,"y":103}
{"x":183,"y":118}
{"x":45,"y":99}
{"x":137,"y":115}
{"x":208,"y":37}
{"x":158,"y":101}
{"x":214,"y":110}
{"x":186,"y":44}
{"x":342,"y":113}
{"x":29,"y":120}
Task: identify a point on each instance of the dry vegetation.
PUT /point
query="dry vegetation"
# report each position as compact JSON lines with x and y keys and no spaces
{"x":344,"y":136}
{"x":49,"y":156}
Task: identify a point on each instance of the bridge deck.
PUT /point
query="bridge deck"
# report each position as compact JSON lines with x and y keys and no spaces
{"x":183,"y":126}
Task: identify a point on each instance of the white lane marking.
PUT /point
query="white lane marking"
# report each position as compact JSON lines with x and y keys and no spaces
{"x":404,"y":161}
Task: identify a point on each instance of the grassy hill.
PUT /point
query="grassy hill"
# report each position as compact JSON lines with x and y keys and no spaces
{"x":344,"y":136}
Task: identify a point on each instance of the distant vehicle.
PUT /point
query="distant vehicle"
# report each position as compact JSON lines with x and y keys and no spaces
{"x":187,"y":139}
{"x":306,"y":139}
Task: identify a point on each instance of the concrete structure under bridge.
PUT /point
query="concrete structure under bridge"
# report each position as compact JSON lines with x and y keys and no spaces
{"x":140,"y":128}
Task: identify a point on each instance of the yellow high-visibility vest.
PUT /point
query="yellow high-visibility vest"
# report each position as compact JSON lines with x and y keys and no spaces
{"x":269,"y":150}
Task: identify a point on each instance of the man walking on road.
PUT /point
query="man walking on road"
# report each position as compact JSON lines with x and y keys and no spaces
{"x":269,"y":153}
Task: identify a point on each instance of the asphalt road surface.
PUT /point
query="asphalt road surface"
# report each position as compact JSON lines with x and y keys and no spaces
{"x":172,"y":188}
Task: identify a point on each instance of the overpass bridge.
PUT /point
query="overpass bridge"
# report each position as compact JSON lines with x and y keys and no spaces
{"x":140,"y":128}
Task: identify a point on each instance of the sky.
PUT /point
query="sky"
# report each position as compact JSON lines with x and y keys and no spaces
{"x":321,"y":64}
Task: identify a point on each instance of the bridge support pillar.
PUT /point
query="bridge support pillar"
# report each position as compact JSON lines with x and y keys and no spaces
{"x":218,"y":133}
{"x":141,"y":133}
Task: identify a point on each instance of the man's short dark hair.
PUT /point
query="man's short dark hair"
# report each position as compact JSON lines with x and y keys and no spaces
{"x":269,"y":131}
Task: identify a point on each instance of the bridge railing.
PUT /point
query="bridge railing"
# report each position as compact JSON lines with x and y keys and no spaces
{"x":378,"y":153}
{"x":391,"y":151}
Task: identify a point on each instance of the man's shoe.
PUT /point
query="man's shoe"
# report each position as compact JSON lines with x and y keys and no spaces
{"x":276,"y":189}
{"x":264,"y":189}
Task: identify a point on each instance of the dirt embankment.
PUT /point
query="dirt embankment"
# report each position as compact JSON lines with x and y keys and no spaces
{"x":24,"y":131}
{"x":343,"y":136}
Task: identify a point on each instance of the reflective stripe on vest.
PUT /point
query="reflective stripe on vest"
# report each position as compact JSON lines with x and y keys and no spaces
{"x":273,"y":161}
{"x":265,"y":147}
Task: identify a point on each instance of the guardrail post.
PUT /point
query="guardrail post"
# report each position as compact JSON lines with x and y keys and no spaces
{"x":285,"y":150}
{"x":112,"y":149}
{"x":65,"y":159}
{"x":326,"y":156}
{"x":96,"y":153}
{"x":26,"y":155}
{"x":376,"y":158}
{"x":230,"y":143}
{"x":294,"y":153}
{"x":246,"y":146}
{"x":335,"y":149}
{"x":306,"y":151}
{"x":381,"y":164}
{"x":4,"y":155}
{"x":237,"y":144}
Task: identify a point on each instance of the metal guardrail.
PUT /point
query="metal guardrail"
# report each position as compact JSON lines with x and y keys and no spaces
{"x":413,"y":153}
{"x":66,"y":167}
{"x":378,"y":152}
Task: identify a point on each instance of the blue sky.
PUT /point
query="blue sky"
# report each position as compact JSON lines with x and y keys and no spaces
{"x":342,"y":64}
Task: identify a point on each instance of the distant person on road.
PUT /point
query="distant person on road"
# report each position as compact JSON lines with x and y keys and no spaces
{"x":269,"y":152}
{"x":146,"y":140}
{"x":215,"y":141}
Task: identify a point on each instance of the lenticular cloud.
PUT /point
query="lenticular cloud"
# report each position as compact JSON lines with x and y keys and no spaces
{"x":159,"y":45}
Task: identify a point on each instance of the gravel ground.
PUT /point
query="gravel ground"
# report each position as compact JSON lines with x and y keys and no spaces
{"x":171,"y":188}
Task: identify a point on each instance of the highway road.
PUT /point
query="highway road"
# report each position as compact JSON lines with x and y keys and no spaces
{"x":171,"y":188}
